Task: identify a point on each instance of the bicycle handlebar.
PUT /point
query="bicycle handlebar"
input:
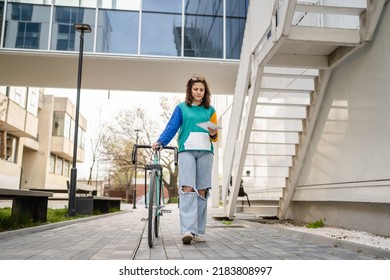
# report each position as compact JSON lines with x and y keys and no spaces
{"x":135,"y":147}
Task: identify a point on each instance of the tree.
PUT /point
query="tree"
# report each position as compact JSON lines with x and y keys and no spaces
{"x":96,"y":146}
{"x":136,"y":126}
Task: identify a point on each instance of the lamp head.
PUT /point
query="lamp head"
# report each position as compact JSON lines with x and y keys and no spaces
{"x":83,"y":27}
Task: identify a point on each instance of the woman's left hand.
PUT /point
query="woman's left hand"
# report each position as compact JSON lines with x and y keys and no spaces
{"x":212,"y":131}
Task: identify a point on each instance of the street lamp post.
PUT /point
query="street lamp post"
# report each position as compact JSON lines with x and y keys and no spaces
{"x":82,"y":28}
{"x":135,"y":172}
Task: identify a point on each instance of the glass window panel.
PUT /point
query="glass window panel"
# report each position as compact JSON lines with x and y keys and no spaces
{"x":203,"y":36}
{"x":132,"y":5}
{"x":204,"y":7}
{"x":76,"y":3}
{"x":236,"y":11}
{"x":65,"y":171}
{"x":58,"y":124}
{"x":27,"y":26}
{"x":46,"y":2}
{"x":59,"y":166}
{"x":64,"y":36}
{"x":11,"y":148}
{"x":237,"y":8}
{"x":52,"y":164}
{"x":81,"y":138}
{"x":170,"y":6}
{"x":234,"y":35}
{"x":72,"y":126}
{"x":203,"y":33}
{"x":117,"y":32}
{"x":161,"y":34}
{"x":1,"y":17}
{"x":3,"y":90}
{"x":32,"y":101}
{"x":21,"y":12}
{"x":18,"y":95}
{"x":67,"y":121}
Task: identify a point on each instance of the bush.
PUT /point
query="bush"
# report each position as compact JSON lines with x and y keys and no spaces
{"x":316,"y":224}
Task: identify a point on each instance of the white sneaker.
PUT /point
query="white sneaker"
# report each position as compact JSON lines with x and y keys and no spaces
{"x":187,"y":238}
{"x":199,"y":238}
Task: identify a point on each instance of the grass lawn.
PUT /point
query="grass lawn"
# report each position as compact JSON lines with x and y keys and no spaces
{"x":53,"y":216}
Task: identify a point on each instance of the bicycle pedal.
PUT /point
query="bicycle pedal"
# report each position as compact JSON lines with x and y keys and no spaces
{"x":166,"y":211}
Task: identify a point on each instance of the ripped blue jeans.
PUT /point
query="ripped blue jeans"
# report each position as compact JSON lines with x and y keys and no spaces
{"x":194,"y":171}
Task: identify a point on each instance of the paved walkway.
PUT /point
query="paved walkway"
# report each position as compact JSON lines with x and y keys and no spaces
{"x":116,"y":237}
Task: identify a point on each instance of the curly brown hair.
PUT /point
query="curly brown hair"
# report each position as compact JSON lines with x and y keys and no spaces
{"x":207,"y":94}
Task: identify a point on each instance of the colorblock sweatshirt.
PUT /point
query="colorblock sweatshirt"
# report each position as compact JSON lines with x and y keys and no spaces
{"x":191,"y":136}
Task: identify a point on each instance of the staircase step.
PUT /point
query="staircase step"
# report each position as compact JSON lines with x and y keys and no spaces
{"x":258,"y":210}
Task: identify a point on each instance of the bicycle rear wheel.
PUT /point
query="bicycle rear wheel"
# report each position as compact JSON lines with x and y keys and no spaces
{"x":151,"y":209}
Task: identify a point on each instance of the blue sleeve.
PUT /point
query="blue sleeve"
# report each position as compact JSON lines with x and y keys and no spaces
{"x":172,"y":127}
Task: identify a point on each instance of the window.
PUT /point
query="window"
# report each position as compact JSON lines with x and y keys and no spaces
{"x":18,"y":95}
{"x":11,"y":148}
{"x":52,"y":163}
{"x":58,"y":124}
{"x":32,"y":101}
{"x":27,"y":26}
{"x":3,"y":144}
{"x":64,"y":34}
{"x":118,"y":32}
{"x":65,"y":171}
{"x":133,"y":5}
{"x":81,"y":138}
{"x":1,"y":17}
{"x":161,"y":27}
{"x":62,"y":125}
{"x":28,"y":35}
{"x":67,"y":121}
{"x":76,"y":3}
{"x":235,"y":25}
{"x":59,"y":162}
{"x":21,"y":12}
{"x":3,"y":90}
{"x":203,"y":28}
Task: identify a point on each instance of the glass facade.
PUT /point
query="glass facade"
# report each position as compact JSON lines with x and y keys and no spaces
{"x":172,"y":28}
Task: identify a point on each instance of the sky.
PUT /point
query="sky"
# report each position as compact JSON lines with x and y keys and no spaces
{"x":92,"y":102}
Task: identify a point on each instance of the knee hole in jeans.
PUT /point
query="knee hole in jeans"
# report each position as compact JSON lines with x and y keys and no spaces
{"x":203,"y":193}
{"x":187,"y":189}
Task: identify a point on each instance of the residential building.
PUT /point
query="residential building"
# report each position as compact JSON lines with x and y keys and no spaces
{"x":37,"y":133}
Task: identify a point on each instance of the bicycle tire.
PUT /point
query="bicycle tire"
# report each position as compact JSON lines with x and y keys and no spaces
{"x":158,"y":203}
{"x":151,"y":209}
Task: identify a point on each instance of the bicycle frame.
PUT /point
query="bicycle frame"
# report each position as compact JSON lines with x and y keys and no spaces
{"x":155,"y":198}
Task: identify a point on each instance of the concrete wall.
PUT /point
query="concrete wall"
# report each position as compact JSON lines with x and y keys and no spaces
{"x":346,"y":171}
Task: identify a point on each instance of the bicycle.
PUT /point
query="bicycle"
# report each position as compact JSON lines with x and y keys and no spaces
{"x":155,"y":196}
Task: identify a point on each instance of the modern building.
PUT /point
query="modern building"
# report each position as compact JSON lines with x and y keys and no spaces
{"x":301,"y":88}
{"x":37,"y":139}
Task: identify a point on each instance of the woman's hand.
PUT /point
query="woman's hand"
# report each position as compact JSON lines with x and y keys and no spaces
{"x":212,"y":131}
{"x":156,"y":146}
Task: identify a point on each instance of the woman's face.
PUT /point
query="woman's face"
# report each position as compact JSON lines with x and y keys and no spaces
{"x":197,"y":92}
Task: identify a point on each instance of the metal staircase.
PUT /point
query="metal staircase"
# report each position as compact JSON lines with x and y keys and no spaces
{"x":280,"y":86}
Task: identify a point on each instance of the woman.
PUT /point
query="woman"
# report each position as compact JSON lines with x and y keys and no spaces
{"x":196,"y":153}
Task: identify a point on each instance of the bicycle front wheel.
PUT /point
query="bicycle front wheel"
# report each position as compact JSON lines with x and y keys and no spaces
{"x":152,"y":209}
